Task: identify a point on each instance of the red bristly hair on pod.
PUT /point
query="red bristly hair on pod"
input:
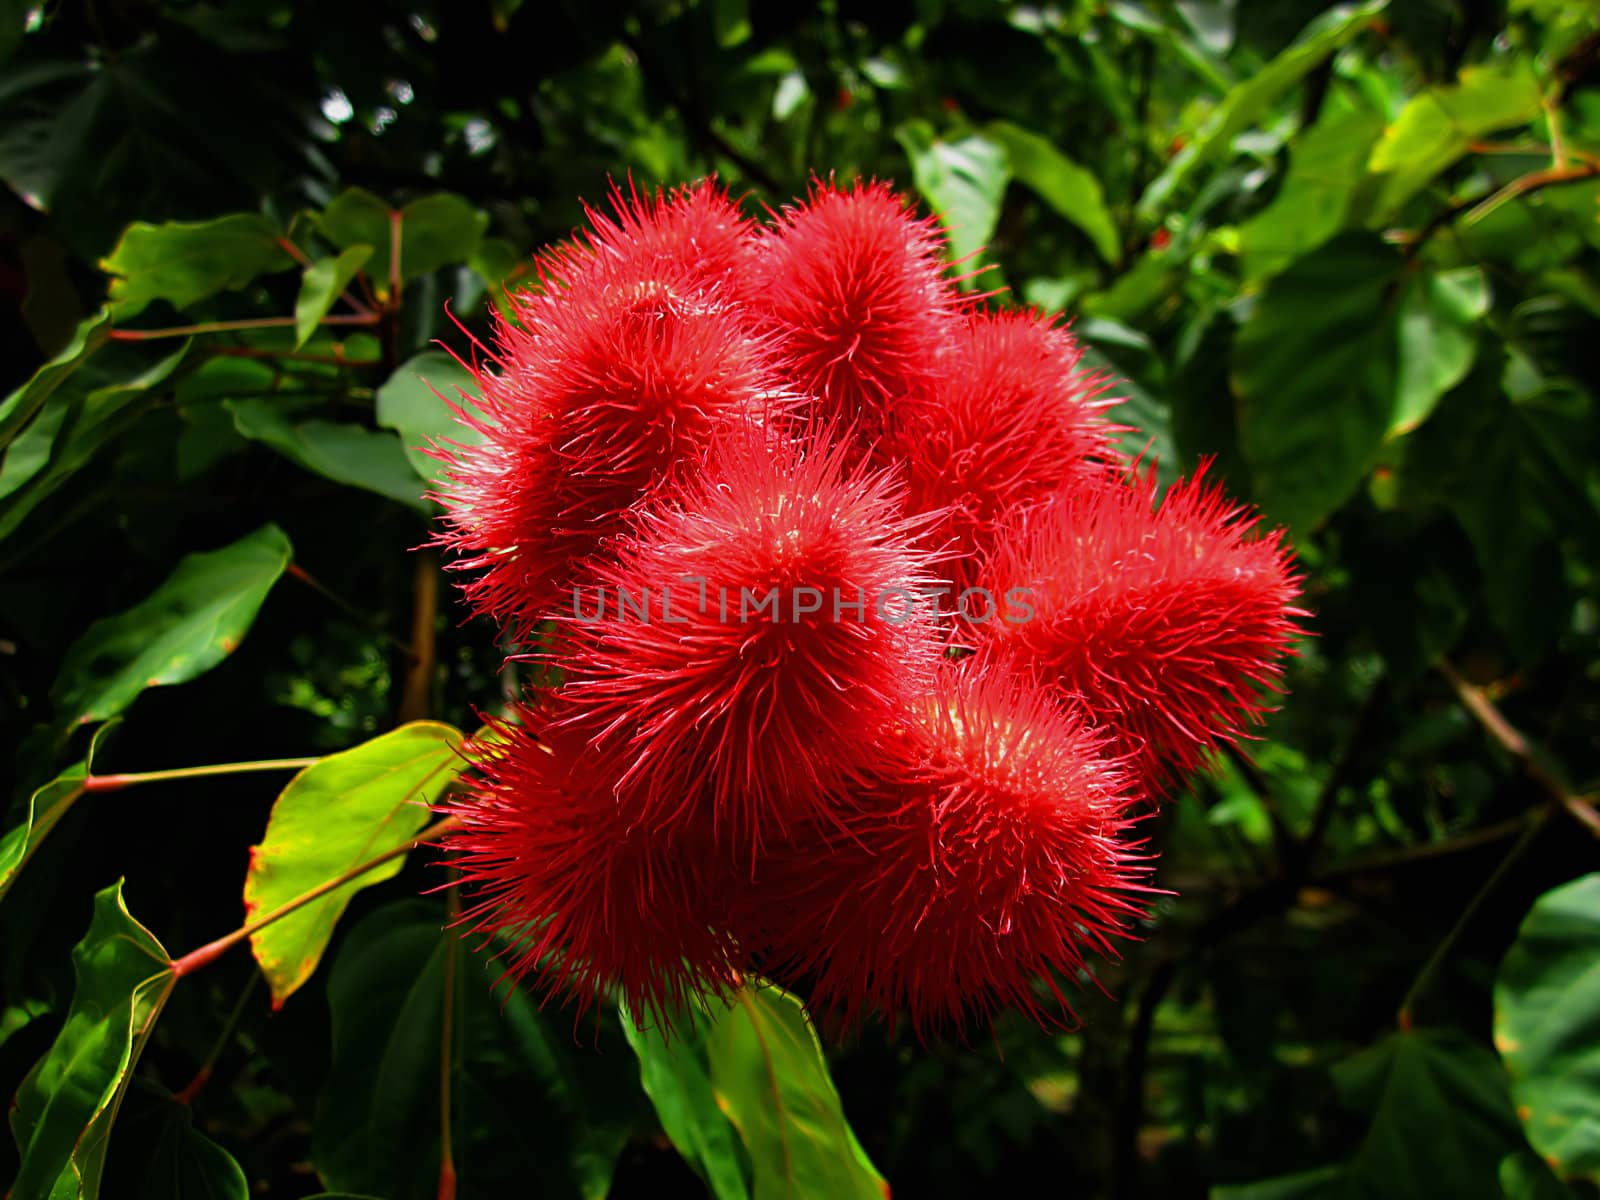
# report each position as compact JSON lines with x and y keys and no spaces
{"x":1166,"y":623}
{"x":582,"y":899}
{"x":747,"y":647}
{"x":991,"y":853}
{"x":851,"y":282}
{"x":608,"y":383}
{"x":1012,"y":419}
{"x":697,"y":226}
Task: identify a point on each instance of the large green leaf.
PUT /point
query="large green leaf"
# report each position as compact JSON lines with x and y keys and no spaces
{"x":1547,"y":1026}
{"x":334,"y":815}
{"x":535,"y":1111}
{"x":1071,"y":190}
{"x":773,"y":1083}
{"x":1438,"y":339}
{"x":962,"y":181}
{"x":185,"y":627}
{"x":1441,"y":1123}
{"x":1525,"y":1176}
{"x":44,"y":811}
{"x":158,"y":1154}
{"x":409,"y":402}
{"x":63,"y":1112}
{"x":1519,"y":476}
{"x":369,"y":459}
{"x":1249,"y":100}
{"x":18,"y":408}
{"x":675,"y":1072}
{"x":182,"y":262}
{"x":1314,"y":371}
{"x":78,"y":419}
{"x":435,"y":231}
{"x":1440,"y":123}
{"x":1316,"y":195}
{"x":320,"y":286}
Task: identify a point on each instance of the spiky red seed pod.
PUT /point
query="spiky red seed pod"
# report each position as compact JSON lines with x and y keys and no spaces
{"x":581,"y":901}
{"x":1166,"y":623}
{"x":852,"y":284}
{"x":991,"y":853}
{"x":695,"y":228}
{"x":602,"y":394}
{"x":782,"y":630}
{"x":1013,"y":419}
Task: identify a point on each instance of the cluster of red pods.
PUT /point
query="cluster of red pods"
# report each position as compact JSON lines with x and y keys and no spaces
{"x":870,"y":646}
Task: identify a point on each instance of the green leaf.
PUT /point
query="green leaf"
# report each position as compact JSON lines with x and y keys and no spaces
{"x":435,"y":230}
{"x":409,"y":402}
{"x":1137,"y":290}
{"x":1069,"y":189}
{"x":45,"y":809}
{"x":1520,"y":477}
{"x":1317,"y":193}
{"x":159,"y":1151}
{"x":1150,"y":418}
{"x":1547,"y":1026}
{"x":1441,"y":1122}
{"x":536,"y":1110}
{"x":962,"y":181}
{"x":62,"y":1115}
{"x":320,"y":287}
{"x":1323,"y":1183}
{"x":182,"y":262}
{"x":29,"y":453}
{"x":438,"y":231}
{"x":675,"y":1072}
{"x":334,"y":815}
{"x":1314,"y":370}
{"x":1247,"y":101}
{"x":76,"y":422}
{"x":18,"y":408}
{"x":185,"y":627}
{"x":730,"y":22}
{"x":347,"y":454}
{"x":1438,"y":339}
{"x":355,"y":217}
{"x":1440,"y":1113}
{"x":773,"y":1083}
{"x":1439,"y":124}
{"x":1524,"y":1176}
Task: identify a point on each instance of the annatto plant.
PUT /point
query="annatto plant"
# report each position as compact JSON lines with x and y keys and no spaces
{"x":871,"y":646}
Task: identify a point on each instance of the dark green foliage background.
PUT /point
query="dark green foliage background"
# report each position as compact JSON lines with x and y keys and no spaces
{"x":1351,"y":255}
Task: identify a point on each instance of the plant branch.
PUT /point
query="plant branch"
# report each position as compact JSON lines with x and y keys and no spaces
{"x":214,"y":950}
{"x":1481,"y":206}
{"x":1441,"y":952}
{"x":452,"y":952}
{"x":1327,"y":802}
{"x":1522,"y":751}
{"x":112,"y":783}
{"x":296,"y":571}
{"x":416,"y":699}
{"x":192,"y":1089}
{"x":150,"y":335}
{"x":1378,"y":864}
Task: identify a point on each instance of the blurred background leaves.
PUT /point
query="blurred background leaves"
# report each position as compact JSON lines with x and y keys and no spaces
{"x":1345,"y":254}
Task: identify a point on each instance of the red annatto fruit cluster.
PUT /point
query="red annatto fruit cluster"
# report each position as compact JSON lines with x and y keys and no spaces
{"x":872,"y":647}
